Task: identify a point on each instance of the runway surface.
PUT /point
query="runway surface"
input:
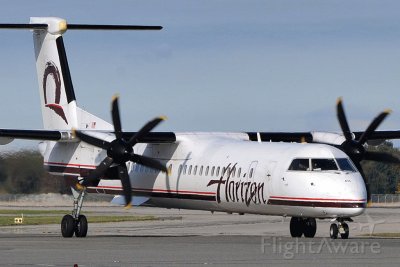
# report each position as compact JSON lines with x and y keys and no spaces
{"x":194,"y":238}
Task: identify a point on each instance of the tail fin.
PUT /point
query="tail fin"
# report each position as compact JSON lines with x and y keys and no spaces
{"x":57,"y":95}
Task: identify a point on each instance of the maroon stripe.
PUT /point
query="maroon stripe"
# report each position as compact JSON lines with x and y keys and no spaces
{"x":324,"y":204}
{"x":153,"y":194}
{"x":67,"y":169}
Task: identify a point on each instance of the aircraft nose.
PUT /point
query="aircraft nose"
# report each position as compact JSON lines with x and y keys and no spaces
{"x":356,"y":186}
{"x":356,"y":192}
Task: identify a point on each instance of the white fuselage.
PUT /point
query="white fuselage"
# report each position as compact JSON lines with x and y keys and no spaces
{"x":226,"y":172}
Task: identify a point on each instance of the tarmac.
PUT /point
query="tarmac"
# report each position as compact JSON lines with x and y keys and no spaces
{"x":198,"y":238}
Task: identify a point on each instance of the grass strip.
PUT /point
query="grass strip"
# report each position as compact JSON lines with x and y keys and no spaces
{"x":37,"y":220}
{"x":383,"y":235}
{"x":18,"y":213}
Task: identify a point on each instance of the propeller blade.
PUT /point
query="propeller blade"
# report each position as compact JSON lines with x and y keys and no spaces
{"x":91,"y":140}
{"x":98,"y":172}
{"x":116,"y":117}
{"x":145,"y":130}
{"x":343,"y":121}
{"x":126,"y":184}
{"x":381,"y":157}
{"x":148,"y":162}
{"x":372,"y":127}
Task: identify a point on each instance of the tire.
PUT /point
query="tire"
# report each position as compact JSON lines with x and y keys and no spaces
{"x":296,"y":227}
{"x":310,"y":227}
{"x":81,"y":226}
{"x":333,"y":231}
{"x":345,"y":235}
{"x":67,"y":226}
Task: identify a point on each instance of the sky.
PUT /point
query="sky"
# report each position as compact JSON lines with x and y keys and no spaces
{"x":216,"y":65}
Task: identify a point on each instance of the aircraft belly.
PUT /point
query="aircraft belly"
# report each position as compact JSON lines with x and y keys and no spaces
{"x":316,"y":212}
{"x":184,"y":204}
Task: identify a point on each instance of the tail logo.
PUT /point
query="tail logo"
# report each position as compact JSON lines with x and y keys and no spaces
{"x":52,"y":70}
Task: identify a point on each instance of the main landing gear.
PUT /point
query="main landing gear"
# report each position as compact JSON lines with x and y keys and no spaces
{"x":340,"y":228}
{"x":76,"y":223}
{"x":300,"y":226}
{"x":308,"y":227}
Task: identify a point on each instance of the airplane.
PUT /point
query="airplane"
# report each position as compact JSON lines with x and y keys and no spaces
{"x":302,"y":175}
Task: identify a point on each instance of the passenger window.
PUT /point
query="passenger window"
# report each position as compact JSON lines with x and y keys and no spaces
{"x":251,"y":173}
{"x":323,"y":165}
{"x":217,"y":173}
{"x":184,"y":169}
{"x":227,"y":172}
{"x":170,"y":168}
{"x":223,"y":171}
{"x":300,"y":165}
{"x":190,"y":170}
{"x":207,"y":171}
{"x":180,"y":169}
{"x":201,"y":170}
{"x":238,"y":173}
{"x":195,"y":170}
{"x":212,"y":171}
{"x":233,"y":172}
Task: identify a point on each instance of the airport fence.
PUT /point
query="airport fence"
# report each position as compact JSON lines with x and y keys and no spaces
{"x":385,"y":198}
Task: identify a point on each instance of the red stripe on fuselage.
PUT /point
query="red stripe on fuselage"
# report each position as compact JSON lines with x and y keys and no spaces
{"x":316,"y":199}
{"x":158,"y":190}
{"x":69,"y":164}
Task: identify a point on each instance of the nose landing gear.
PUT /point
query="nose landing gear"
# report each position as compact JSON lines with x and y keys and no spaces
{"x":340,"y":228}
{"x":308,"y":227}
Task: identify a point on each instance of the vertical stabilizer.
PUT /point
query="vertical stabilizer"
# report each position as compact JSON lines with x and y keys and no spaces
{"x":57,"y":95}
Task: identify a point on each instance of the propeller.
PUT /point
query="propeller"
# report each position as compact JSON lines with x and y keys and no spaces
{"x":120,"y":151}
{"x":355,"y":148}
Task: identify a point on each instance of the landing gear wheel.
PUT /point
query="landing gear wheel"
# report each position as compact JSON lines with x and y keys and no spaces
{"x":67,"y":226}
{"x":310,"y":227}
{"x":333,"y":231}
{"x":346,"y":231}
{"x":296,"y":227}
{"x":81,"y":226}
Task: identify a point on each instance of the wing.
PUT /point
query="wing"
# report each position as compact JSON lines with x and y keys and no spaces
{"x":312,"y":137}
{"x":67,"y":136}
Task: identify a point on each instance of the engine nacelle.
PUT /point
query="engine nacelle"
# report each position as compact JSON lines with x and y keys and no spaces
{"x":328,"y":138}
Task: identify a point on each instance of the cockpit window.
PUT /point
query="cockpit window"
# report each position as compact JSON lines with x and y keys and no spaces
{"x":300,"y":165}
{"x":324,"y":165}
{"x":345,"y":165}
